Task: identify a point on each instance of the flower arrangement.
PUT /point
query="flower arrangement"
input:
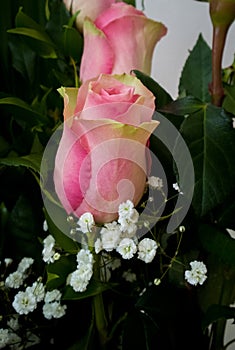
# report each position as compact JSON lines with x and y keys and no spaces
{"x":117,"y":202}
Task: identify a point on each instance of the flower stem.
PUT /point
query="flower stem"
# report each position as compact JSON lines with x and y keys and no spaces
{"x":98,"y":305}
{"x":222,"y":13}
{"x":216,"y":88}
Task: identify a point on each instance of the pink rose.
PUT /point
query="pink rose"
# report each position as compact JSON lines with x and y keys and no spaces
{"x":102,"y":159}
{"x":87,"y":8}
{"x":122,"y":38}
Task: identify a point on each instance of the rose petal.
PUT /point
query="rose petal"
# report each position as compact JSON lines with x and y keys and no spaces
{"x":133,"y":34}
{"x":69,"y":158}
{"x":116,"y":11}
{"x":118,"y":166}
{"x":95,"y":61}
{"x":90,"y":9}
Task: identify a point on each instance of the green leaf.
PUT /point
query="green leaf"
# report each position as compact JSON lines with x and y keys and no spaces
{"x":73,"y":43}
{"x":51,"y":277}
{"x":41,"y":44}
{"x":23,"y":20}
{"x":4,"y":147}
{"x":227,"y":214}
{"x":162,"y":97}
{"x":196,"y":75}
{"x":60,"y":269}
{"x":94,"y":287}
{"x":218,"y":242}
{"x":216,"y":312}
{"x":5,"y":66}
{"x":22,"y":111}
{"x":210,"y":139}
{"x":130,"y":2}
{"x":140,"y":331}
{"x":183,"y":106}
{"x":59,"y":17}
{"x":23,"y":229}
{"x":23,"y":58}
{"x":229,"y":100}
{"x":32,"y":161}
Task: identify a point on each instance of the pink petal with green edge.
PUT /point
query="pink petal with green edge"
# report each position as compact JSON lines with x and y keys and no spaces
{"x":97,"y":54}
{"x":106,"y":81}
{"x":116,"y":11}
{"x":133,"y":39}
{"x":140,"y":89}
{"x":69,"y":158}
{"x":118,"y":166}
{"x":70,"y":100}
{"x":104,"y":89}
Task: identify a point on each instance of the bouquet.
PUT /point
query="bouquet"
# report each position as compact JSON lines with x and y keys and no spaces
{"x":117,"y":201}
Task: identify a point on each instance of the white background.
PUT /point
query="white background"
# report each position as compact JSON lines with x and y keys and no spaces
{"x":185,"y":20}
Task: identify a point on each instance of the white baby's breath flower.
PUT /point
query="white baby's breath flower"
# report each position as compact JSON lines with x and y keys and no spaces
{"x":98,"y":246}
{"x":8,"y":261}
{"x":129,"y":276}
{"x":49,"y":242}
{"x":84,"y":256}
{"x":147,"y":250}
{"x":128,"y":212}
{"x":155,"y":182}
{"x":231,"y":233}
{"x":127,"y":248}
{"x":53,"y":310}
{"x":53,"y":295}
{"x":128,"y":217}
{"x":80,"y":278}
{"x":25,"y":264}
{"x":177,"y":188}
{"x":233,"y":123}
{"x":197,"y":274}
{"x":48,"y":249}
{"x":125,"y":209}
{"x":110,"y":236}
{"x":15,"y":280}
{"x":24,"y":302}
{"x":38,"y":290}
{"x":128,"y":228}
{"x":45,"y":226}
{"x":4,"y":337}
{"x":86,"y":222}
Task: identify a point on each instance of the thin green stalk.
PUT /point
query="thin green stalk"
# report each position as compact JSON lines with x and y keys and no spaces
{"x":98,"y":305}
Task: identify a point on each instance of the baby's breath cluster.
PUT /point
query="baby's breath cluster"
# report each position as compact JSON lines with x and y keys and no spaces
{"x":80,"y":278}
{"x":112,"y":241}
{"x":120,"y":236}
{"x":22,"y":297}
